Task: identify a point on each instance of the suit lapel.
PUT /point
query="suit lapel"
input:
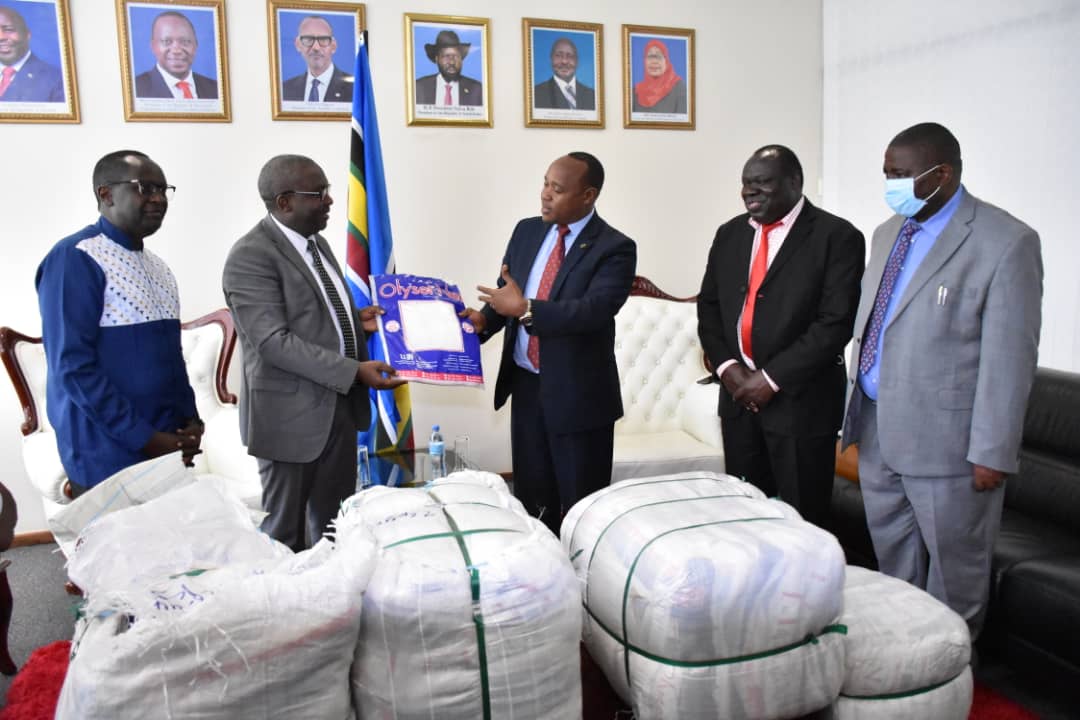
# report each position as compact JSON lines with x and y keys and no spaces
{"x":883,"y":240}
{"x":794,"y":240}
{"x":287,"y":249}
{"x":582,"y":244}
{"x":947,"y":243}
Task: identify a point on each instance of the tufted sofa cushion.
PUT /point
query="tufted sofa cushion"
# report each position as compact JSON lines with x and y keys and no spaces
{"x":669,"y":422}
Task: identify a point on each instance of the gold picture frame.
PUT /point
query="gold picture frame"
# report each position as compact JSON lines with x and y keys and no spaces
{"x":189,"y":37}
{"x":578,"y":62}
{"x":293,"y":93}
{"x":43,"y":89}
{"x":665,"y":99}
{"x":470,"y":97}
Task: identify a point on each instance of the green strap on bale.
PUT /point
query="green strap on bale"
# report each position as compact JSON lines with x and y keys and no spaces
{"x":899,"y":695}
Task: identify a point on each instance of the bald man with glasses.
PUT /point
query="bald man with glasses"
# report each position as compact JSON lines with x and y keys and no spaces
{"x":323,"y":81}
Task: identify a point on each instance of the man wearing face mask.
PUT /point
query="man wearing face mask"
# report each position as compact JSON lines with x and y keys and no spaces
{"x":946,"y":343}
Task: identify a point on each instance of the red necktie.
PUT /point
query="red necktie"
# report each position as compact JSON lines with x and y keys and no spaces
{"x":449,"y":99}
{"x":757,"y":274}
{"x":9,"y":73}
{"x":185,"y":88}
{"x":551,"y":270}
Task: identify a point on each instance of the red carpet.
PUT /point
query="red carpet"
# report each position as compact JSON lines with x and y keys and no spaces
{"x":35,"y":690}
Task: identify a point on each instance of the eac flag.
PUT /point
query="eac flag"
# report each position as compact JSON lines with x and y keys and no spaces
{"x":370,"y":250}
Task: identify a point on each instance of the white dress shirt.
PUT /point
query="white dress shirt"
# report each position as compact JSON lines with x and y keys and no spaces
{"x":172,"y":80}
{"x":324,"y":83}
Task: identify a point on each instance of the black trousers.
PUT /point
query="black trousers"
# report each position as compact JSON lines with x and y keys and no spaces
{"x":553,"y":469}
{"x":797,"y":469}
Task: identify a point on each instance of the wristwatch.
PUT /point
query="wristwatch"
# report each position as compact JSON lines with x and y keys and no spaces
{"x":526,"y":319}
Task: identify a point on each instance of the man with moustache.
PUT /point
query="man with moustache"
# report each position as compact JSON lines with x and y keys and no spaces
{"x":448,"y":86}
{"x":323,"y":81}
{"x":304,"y":392}
{"x":563,"y":90}
{"x":118,"y":390}
{"x":174,"y":44}
{"x":564,"y":276}
{"x":24,"y":77}
{"x":775,"y":311}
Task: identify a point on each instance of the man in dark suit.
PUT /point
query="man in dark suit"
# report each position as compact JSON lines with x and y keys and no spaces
{"x":304,"y":391}
{"x":173,"y":42}
{"x":563,"y":90}
{"x":564,"y":276}
{"x":24,"y":77}
{"x":323,"y":81}
{"x":776,"y":309}
{"x":448,"y":86}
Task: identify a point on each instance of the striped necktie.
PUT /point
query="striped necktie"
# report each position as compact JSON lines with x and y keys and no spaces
{"x":335,"y":301}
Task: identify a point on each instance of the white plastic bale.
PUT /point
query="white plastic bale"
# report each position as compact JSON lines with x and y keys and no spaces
{"x":419,"y":650}
{"x":196,"y":527}
{"x":264,"y":641}
{"x":715,"y":574}
{"x":900,"y":638}
{"x":951,"y":701}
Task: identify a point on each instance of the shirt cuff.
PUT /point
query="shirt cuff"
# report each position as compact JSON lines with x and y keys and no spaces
{"x":774,"y":386}
{"x":724,"y":366}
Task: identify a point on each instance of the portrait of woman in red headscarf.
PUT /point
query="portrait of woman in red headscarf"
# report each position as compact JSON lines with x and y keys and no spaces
{"x":661,"y":90}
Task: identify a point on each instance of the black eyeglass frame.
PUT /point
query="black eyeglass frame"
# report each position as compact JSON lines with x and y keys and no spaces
{"x":309,"y":40}
{"x":321,"y":194}
{"x":166,"y":191}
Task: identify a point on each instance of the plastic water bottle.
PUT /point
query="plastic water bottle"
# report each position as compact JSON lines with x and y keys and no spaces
{"x":437,"y":451}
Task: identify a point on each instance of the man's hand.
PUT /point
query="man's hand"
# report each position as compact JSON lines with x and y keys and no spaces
{"x":475,"y":317}
{"x":163,"y":443}
{"x":755,"y":393}
{"x":367,"y":318}
{"x":192,"y":432}
{"x":734,"y":376}
{"x":508,"y":300}
{"x":371,"y":373}
{"x":987,"y":478}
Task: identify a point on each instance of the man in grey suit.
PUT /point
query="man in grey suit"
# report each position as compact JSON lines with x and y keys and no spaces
{"x":304,"y":390}
{"x":946,"y":343}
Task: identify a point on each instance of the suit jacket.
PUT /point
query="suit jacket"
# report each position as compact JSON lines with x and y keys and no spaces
{"x":339,"y":90}
{"x":803,"y":316}
{"x":955,"y":373}
{"x":36,"y":81}
{"x":470,"y":92}
{"x":293,"y":368}
{"x":548,"y":95}
{"x":150,"y":84}
{"x":579,"y":381}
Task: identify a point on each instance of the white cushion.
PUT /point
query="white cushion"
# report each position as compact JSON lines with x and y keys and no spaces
{"x":663,"y":453}
{"x":201,"y":347}
{"x":227,"y":457}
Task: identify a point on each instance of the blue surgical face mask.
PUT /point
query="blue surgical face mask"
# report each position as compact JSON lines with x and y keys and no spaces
{"x":900,"y":194}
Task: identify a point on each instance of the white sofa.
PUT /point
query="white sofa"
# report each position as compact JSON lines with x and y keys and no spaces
{"x":208,"y":344}
{"x":670,"y":422}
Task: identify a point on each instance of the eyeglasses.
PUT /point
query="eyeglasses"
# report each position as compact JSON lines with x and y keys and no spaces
{"x":323,"y":40}
{"x":146,"y":189}
{"x":321,"y":194}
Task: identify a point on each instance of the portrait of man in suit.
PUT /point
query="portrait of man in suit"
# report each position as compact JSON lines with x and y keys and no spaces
{"x":564,"y":276}
{"x":946,"y":345}
{"x":448,"y":86}
{"x":323,"y":81}
{"x":775,"y":311}
{"x":174,"y":43}
{"x":24,"y":77}
{"x":564,"y":90}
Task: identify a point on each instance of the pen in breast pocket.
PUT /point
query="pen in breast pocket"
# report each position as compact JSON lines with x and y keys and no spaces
{"x":942,"y":295}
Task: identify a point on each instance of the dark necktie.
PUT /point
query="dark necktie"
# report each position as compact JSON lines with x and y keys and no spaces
{"x":313,"y":96}
{"x":868,"y":352}
{"x":547,"y":280}
{"x":758,"y":269}
{"x":335,"y":301}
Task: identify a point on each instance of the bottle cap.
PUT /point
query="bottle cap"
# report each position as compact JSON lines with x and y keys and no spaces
{"x":435,"y":428}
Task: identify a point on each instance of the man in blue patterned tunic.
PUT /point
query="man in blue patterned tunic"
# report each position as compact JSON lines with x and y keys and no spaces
{"x":118,"y":390}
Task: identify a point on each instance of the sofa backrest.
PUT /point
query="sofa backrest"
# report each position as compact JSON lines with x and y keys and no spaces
{"x":659,"y":356}
{"x":1048,"y":483}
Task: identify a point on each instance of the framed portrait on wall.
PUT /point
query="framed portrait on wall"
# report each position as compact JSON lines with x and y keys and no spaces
{"x":564,"y":73}
{"x":37,"y":70}
{"x":658,"y":77}
{"x":447,"y":70}
{"x":312,"y":53}
{"x":173,"y":63}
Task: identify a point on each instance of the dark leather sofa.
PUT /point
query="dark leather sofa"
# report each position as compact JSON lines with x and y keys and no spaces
{"x":1034,"y":615}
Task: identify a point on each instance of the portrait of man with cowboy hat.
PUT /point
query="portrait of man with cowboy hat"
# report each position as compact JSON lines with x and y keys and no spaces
{"x":448,"y":86}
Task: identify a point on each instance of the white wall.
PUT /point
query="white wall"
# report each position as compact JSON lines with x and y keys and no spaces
{"x":667,"y":189}
{"x":1002,"y":76}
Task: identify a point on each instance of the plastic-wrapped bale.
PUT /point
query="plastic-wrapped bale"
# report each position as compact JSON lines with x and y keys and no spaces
{"x":907,"y":654}
{"x":705,"y":600}
{"x":197,"y":527}
{"x":261,"y":641}
{"x":476,"y":486}
{"x":473,"y":610}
